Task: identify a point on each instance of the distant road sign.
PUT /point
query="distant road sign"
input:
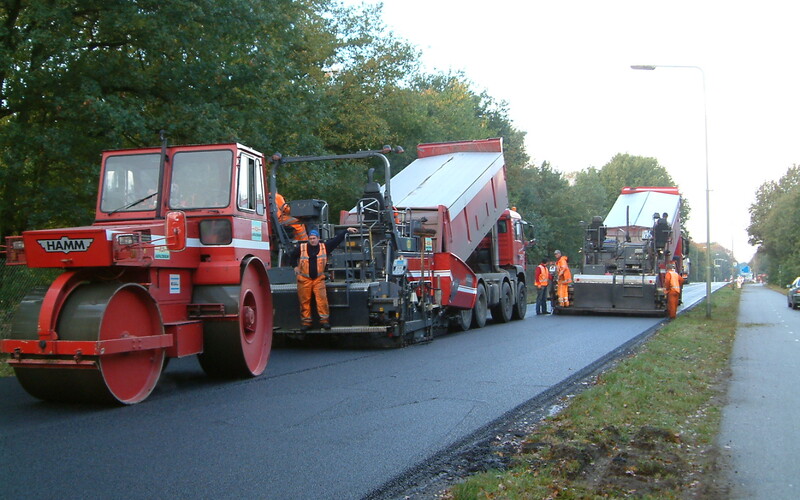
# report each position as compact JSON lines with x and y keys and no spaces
{"x":745,"y":270}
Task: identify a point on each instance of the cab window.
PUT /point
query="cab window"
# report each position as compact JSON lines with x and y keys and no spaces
{"x":201,"y":179}
{"x":130,"y":183}
{"x":519,"y":233}
{"x":250,"y":187}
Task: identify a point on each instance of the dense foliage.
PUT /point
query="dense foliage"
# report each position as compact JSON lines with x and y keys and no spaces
{"x":774,"y":227}
{"x":296,"y":76}
{"x":80,"y":76}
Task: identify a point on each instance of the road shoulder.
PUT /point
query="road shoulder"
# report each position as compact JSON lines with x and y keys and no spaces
{"x":759,"y":438}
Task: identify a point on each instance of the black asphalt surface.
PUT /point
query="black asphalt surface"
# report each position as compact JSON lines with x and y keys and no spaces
{"x":319,"y":424}
{"x":759,"y":435}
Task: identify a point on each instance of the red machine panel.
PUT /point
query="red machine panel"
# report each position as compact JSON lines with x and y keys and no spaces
{"x":75,"y":247}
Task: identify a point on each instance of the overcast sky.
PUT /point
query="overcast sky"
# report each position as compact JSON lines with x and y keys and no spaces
{"x":564,"y":69}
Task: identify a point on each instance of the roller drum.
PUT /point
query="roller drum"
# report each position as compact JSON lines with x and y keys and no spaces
{"x":94,"y":311}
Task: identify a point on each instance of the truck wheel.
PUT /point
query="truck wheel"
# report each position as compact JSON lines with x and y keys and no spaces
{"x":462,"y":320}
{"x":480,"y":309}
{"x":501,"y":313}
{"x":521,"y":307}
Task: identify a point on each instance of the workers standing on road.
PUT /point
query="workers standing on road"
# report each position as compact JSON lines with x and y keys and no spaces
{"x":298,"y":232}
{"x":553,"y":286}
{"x":564,"y":279}
{"x":541,"y":280}
{"x":309,"y":260}
{"x":672,"y":287}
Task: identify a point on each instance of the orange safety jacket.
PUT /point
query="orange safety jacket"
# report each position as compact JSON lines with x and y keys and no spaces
{"x":322,"y":260}
{"x":564,"y":274}
{"x":672,"y":282}
{"x":542,"y":277}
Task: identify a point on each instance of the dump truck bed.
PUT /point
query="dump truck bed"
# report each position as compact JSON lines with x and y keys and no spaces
{"x":467,"y":178}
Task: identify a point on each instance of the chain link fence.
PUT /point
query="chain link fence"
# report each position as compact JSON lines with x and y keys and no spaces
{"x":15,"y":283}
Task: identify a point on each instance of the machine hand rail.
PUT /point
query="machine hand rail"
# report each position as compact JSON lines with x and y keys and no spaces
{"x":277,"y":159}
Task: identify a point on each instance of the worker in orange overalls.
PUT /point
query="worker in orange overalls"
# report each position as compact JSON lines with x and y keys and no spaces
{"x":309,"y":261}
{"x":672,"y":287}
{"x":285,"y":218}
{"x":541,"y":280}
{"x":564,"y":279}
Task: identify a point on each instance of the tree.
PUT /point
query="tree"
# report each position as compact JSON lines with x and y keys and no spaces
{"x":589,"y":195}
{"x":296,"y":76}
{"x":773,"y":225}
{"x":626,"y":170}
{"x":543,"y":196}
{"x":78,"y":77}
{"x":767,"y":197}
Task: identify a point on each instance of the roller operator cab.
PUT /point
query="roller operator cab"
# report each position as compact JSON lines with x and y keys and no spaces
{"x":175,"y":264}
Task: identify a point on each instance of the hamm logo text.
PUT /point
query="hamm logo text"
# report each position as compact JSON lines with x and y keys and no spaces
{"x":66,"y":245}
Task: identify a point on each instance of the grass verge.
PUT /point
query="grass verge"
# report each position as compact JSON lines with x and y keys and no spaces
{"x":645,"y":429}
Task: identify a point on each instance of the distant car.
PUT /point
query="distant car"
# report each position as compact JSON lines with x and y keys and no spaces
{"x":793,"y":295}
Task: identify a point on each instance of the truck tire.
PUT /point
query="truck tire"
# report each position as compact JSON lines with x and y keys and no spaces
{"x":481,"y":308}
{"x":461,"y":320}
{"x":521,"y":306}
{"x":501,"y":312}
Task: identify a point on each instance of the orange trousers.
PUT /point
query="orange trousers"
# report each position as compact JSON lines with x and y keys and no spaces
{"x":306,"y":288}
{"x":672,"y":304}
{"x":562,"y":292}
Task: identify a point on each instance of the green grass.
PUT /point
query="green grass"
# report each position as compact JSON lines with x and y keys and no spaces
{"x":645,"y":429}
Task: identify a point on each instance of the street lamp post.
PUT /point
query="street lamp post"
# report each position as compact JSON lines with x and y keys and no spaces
{"x":651,"y":67}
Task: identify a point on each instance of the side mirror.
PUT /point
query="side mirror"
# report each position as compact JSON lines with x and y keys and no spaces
{"x":175,"y":231}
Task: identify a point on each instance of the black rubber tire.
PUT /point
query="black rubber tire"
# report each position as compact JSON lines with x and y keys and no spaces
{"x":481,"y":308}
{"x":461,"y":320}
{"x":521,"y":306}
{"x":501,"y":313}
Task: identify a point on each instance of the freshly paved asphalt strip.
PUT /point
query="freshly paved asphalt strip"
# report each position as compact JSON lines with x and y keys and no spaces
{"x":760,"y":436}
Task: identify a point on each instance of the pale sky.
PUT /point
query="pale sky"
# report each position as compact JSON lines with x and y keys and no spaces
{"x":564,"y":69}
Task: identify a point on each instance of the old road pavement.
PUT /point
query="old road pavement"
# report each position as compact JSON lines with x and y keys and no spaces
{"x":321,"y":423}
{"x":759,"y":436}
